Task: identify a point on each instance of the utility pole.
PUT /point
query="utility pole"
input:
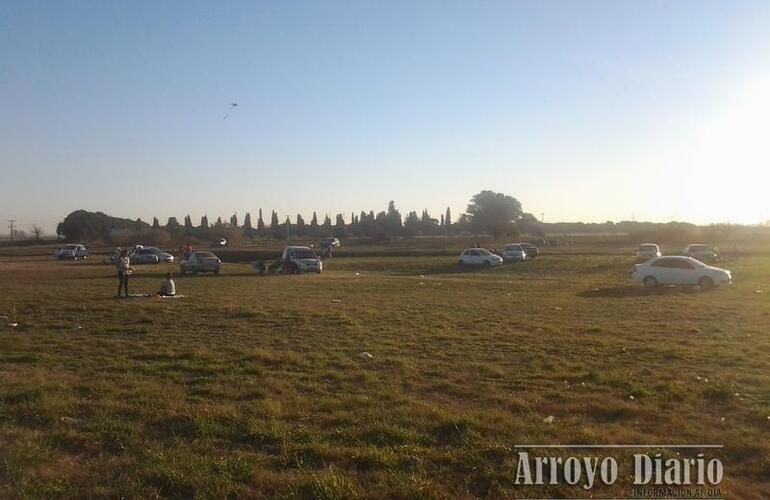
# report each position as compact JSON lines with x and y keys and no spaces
{"x":542,"y":217}
{"x":11,"y":227}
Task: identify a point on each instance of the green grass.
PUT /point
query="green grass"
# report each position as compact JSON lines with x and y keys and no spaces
{"x":253,"y":386}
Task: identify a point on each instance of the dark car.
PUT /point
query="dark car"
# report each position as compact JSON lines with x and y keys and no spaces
{"x":704,"y":253}
{"x":530,"y":249}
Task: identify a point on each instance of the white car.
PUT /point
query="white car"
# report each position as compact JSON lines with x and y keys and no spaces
{"x":647,"y":251}
{"x":71,"y":251}
{"x":200,"y":262}
{"x":301,"y":260}
{"x":479,"y":257}
{"x":514,"y":252}
{"x":680,"y":270}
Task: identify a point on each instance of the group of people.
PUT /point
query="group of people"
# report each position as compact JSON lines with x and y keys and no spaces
{"x":123,"y":264}
{"x":185,"y":251}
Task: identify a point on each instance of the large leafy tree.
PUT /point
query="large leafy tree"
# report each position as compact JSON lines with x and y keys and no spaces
{"x":494,"y":213}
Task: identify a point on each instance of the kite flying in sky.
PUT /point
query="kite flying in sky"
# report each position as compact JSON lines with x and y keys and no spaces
{"x":233,"y":105}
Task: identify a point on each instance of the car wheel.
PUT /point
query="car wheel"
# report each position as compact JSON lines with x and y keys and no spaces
{"x":650,"y":282}
{"x":461,"y":264}
{"x":216,"y":271}
{"x":706,"y":283}
{"x":487,"y":263}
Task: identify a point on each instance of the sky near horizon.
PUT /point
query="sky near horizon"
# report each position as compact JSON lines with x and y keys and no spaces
{"x":592,"y":111}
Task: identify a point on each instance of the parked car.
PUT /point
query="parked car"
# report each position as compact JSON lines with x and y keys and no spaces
{"x":72,"y":251}
{"x":513,"y":252}
{"x":297,"y":260}
{"x":647,"y":251}
{"x":705,"y":253}
{"x":200,"y":262}
{"x":151,"y":255}
{"x":531,"y":250}
{"x":479,"y":257}
{"x":329,"y":242}
{"x":680,"y":270}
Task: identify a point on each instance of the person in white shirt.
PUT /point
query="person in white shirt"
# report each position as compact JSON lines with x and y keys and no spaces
{"x":167,"y":287}
{"x":123,"y":263}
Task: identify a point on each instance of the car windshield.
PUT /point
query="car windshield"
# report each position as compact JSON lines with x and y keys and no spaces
{"x":484,"y":252}
{"x":205,"y":255}
{"x":698,"y":248}
{"x":304,"y":254}
{"x":513,"y":247}
{"x":649,"y":247}
{"x":70,"y":247}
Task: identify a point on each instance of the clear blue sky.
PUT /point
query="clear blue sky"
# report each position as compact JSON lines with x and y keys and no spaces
{"x":582,"y":110}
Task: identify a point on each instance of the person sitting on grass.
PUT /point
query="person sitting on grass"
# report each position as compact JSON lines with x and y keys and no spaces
{"x":167,"y":287}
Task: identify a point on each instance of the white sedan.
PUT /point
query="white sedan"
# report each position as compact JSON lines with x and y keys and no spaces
{"x":678,"y":270}
{"x":479,"y":257}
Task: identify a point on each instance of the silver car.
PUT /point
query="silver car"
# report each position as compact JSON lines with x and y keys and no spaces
{"x":200,"y":262}
{"x":151,"y":255}
{"x":647,"y":251}
{"x":71,"y":251}
{"x":514,"y":252}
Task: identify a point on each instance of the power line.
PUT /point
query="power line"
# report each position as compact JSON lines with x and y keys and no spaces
{"x":10,"y":226}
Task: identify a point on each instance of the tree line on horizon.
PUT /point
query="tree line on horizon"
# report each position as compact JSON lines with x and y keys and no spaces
{"x":488,"y":212}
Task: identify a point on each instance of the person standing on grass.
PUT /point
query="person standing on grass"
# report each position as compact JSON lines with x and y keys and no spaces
{"x":123,"y":264}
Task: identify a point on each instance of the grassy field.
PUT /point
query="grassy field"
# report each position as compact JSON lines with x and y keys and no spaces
{"x":254,"y":386}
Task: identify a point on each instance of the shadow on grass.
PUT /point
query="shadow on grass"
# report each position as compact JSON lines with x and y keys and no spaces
{"x":630,"y":291}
